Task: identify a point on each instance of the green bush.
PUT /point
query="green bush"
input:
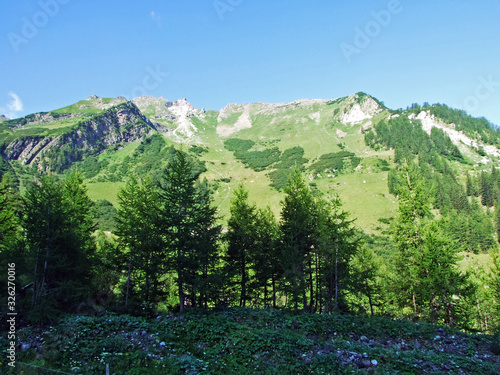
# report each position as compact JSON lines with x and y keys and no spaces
{"x":237,"y":144}
{"x":495,"y":344}
{"x":336,"y":161}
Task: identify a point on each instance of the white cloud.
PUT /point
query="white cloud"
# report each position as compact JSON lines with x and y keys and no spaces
{"x":14,"y":107}
{"x":156,"y":18}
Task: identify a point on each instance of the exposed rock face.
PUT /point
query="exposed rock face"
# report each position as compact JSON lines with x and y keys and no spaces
{"x":183,"y":110}
{"x":121,"y":124}
{"x":430,"y":121}
{"x":356,"y":112}
{"x":243,"y":122}
{"x":47,"y":117}
{"x":100,"y":103}
{"x":3,"y":118}
{"x":173,"y":117}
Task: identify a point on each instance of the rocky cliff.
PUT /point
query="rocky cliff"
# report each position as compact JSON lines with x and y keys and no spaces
{"x":118,"y":125}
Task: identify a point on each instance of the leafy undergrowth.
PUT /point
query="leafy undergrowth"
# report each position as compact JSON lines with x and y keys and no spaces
{"x":245,"y":341}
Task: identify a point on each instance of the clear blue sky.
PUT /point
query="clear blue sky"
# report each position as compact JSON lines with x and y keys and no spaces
{"x":214,"y":52}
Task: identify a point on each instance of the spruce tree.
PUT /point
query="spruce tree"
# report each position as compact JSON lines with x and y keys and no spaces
{"x":298,"y":235}
{"x":57,"y":221}
{"x":188,"y":223}
{"x":241,"y":238}
{"x":428,"y":279}
{"x":494,"y":280}
{"x":443,"y":285}
{"x":366,"y":268}
{"x":413,"y":208}
{"x":265,"y":256}
{"x":337,"y":247}
{"x":138,"y":226}
{"x":9,"y":225}
{"x":486,"y":189}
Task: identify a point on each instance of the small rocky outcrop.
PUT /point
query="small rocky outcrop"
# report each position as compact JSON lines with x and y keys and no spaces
{"x":359,"y":108}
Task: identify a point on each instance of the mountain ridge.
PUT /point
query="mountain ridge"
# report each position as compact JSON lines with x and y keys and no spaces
{"x":326,"y":138}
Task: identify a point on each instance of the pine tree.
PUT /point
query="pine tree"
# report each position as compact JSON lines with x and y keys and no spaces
{"x":338,"y":246}
{"x":367,"y":278}
{"x":413,"y":208}
{"x":265,"y":256}
{"x":428,"y":278}
{"x":486,"y":190}
{"x":190,"y":230}
{"x":494,"y":280}
{"x":9,"y":225}
{"x":58,"y":237}
{"x":471,"y":186}
{"x":299,"y":233}
{"x":241,"y":238}
{"x":442,"y":282}
{"x":138,"y":220}
{"x":497,"y":221}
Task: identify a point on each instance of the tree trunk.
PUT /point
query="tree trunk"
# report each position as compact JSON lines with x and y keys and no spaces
{"x":243,"y":296}
{"x":336,"y":301}
{"x":179,"y":280}
{"x":274,"y":292}
{"x":265,"y":294}
{"x":311,"y":286}
{"x":35,"y":277}
{"x":128,"y":280}
{"x":371,"y":304}
{"x":414,"y":304}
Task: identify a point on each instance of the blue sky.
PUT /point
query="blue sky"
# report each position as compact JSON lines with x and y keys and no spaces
{"x":215,"y":52}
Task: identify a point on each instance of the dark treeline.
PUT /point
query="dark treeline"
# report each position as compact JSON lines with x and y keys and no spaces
{"x":466,"y":221}
{"x":169,"y":252}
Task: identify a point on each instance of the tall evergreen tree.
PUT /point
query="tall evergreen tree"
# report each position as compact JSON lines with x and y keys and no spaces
{"x":9,"y":225}
{"x":265,"y":256}
{"x":487,"y":190}
{"x":241,"y":237}
{"x":138,"y":221}
{"x":494,"y":280}
{"x":57,"y":220}
{"x":190,"y":230}
{"x":443,"y":285}
{"x":367,"y":277}
{"x":413,"y":208}
{"x":299,"y":234}
{"x":471,"y":186}
{"x":428,"y":278}
{"x":338,"y":246}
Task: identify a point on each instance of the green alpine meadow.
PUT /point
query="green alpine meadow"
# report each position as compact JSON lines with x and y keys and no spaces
{"x":311,"y":237}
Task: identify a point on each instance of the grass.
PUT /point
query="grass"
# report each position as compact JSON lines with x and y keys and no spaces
{"x":365,"y":195}
{"x":313,"y":127}
{"x":252,"y":341}
{"x":83,"y":106}
{"x":316,"y":134}
{"x":105,"y":190}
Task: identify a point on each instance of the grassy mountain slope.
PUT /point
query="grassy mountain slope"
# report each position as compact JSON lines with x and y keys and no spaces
{"x":326,"y":139}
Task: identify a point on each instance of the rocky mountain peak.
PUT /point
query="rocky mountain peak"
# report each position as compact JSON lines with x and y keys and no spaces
{"x":359,"y":107}
{"x":180,"y":103}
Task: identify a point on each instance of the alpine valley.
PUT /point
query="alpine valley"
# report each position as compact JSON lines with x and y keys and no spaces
{"x":317,"y":236}
{"x":345,"y":146}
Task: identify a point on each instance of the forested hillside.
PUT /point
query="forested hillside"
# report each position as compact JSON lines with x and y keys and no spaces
{"x":343,"y":208}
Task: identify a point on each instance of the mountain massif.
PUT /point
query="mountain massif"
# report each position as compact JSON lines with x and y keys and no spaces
{"x":256,"y":144}
{"x":336,"y":221}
